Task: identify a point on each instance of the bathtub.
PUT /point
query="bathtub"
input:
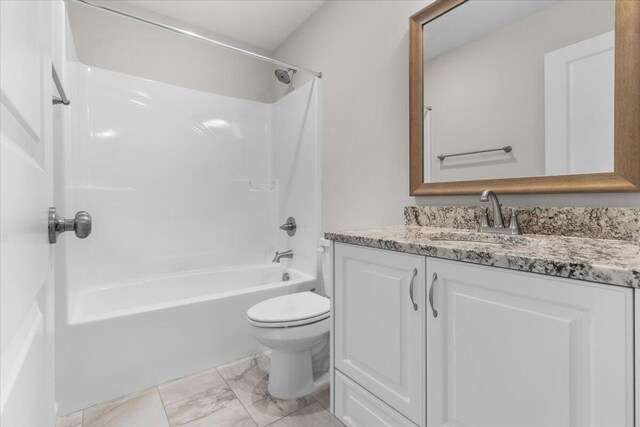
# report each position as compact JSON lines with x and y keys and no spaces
{"x":129,"y":336}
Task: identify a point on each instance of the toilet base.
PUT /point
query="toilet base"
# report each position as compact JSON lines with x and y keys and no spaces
{"x":291,"y":374}
{"x":297,"y":374}
{"x":299,"y":357}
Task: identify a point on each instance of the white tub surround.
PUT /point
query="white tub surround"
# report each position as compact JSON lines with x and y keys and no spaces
{"x":187,"y":190}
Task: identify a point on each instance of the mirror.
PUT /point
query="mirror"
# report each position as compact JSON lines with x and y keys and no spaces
{"x":521,"y":93}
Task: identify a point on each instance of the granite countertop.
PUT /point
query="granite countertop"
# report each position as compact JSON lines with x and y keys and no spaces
{"x":614,"y":262}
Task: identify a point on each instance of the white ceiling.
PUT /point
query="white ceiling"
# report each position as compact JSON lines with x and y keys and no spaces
{"x":261,"y":23}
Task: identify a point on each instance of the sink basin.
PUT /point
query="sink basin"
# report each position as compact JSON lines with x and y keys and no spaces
{"x":495,"y":239}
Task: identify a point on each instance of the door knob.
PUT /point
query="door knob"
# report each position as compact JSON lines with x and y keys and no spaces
{"x":81,"y":225}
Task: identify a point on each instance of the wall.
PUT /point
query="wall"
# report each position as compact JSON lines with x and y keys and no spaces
{"x":362,"y":47}
{"x":495,"y":86}
{"x":111,"y":42}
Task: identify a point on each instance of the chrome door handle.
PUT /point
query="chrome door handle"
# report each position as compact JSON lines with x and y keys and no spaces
{"x":81,"y":225}
{"x":433,"y":281}
{"x":415,"y":273}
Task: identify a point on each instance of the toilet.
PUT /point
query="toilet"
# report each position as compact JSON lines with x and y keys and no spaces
{"x":296,"y":329}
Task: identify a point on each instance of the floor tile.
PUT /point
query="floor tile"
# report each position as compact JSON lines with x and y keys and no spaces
{"x":313,"y":415}
{"x":182,"y":388}
{"x":217,"y":407}
{"x":248,"y":378}
{"x":322,"y":396}
{"x":142,"y":409}
{"x":71,"y":420}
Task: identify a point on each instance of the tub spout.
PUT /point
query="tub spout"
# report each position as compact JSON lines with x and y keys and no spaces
{"x":280,"y":255}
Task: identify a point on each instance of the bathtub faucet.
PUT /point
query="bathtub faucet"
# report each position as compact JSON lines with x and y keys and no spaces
{"x":280,"y":255}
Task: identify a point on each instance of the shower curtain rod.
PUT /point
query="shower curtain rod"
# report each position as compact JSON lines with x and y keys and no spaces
{"x":201,"y":38}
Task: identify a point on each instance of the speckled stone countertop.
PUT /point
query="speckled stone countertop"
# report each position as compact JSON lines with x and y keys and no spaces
{"x":615,"y":262}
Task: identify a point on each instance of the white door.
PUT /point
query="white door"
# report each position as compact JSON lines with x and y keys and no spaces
{"x":520,"y":349}
{"x":26,"y":295}
{"x":379,"y":334}
{"x":579,"y":103}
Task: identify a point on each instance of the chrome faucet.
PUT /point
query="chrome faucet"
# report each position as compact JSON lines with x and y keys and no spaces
{"x":498,"y":223}
{"x":280,"y":255}
{"x":490,"y":195}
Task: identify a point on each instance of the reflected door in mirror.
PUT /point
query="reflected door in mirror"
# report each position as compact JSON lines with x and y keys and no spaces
{"x":534,"y":76}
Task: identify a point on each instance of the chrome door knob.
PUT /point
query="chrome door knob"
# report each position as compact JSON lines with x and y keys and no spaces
{"x":81,"y":225}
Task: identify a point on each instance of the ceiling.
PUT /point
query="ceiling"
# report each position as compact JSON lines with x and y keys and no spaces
{"x":261,"y":23}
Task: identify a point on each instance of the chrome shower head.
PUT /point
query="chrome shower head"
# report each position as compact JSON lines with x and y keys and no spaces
{"x":283,"y":76}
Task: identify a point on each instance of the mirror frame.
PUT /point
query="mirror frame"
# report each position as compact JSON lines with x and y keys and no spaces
{"x":626,"y":174}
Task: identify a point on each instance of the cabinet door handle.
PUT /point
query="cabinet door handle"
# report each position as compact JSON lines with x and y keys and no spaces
{"x":433,"y":281}
{"x":415,"y":273}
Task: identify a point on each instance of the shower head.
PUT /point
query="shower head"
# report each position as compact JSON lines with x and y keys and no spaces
{"x":283,"y":76}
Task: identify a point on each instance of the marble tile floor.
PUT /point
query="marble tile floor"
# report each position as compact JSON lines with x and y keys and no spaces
{"x":234,"y":394}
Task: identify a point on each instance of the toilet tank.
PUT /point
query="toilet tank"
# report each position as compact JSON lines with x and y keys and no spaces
{"x":325,"y":249}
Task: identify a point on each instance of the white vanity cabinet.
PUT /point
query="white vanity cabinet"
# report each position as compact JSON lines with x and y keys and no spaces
{"x":510,"y":348}
{"x":379,"y":337}
{"x":506,"y":348}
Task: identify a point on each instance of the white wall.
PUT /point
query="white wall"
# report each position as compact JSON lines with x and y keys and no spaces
{"x":497,"y":90}
{"x":111,"y":42}
{"x":362,"y":47}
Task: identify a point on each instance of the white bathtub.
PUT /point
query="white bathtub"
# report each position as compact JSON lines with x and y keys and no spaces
{"x":130,"y":336}
{"x":164,"y":292}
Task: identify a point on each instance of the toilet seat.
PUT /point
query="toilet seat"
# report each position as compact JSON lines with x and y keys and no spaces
{"x":297,"y":309}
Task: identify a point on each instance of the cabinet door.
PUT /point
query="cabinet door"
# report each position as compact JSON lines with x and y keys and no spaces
{"x":379,"y":335}
{"x":520,"y":349}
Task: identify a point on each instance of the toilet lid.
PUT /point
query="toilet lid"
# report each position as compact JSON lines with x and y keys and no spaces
{"x":290,"y":308}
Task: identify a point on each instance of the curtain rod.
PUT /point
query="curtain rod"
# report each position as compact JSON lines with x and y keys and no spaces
{"x":201,"y":38}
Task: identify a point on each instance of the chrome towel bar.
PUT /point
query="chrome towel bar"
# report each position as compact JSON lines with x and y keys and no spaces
{"x":63,"y":96}
{"x":506,"y":149}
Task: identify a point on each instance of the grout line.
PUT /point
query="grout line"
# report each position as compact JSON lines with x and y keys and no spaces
{"x":294,"y":412}
{"x":236,"y":396}
{"x":310,"y":396}
{"x":164,"y":408}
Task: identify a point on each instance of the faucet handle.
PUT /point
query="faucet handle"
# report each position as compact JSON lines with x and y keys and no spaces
{"x":290,"y":226}
{"x":513,"y":222}
{"x":484,"y":219}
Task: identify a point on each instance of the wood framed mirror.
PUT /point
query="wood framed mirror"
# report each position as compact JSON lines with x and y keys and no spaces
{"x":490,"y":108}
